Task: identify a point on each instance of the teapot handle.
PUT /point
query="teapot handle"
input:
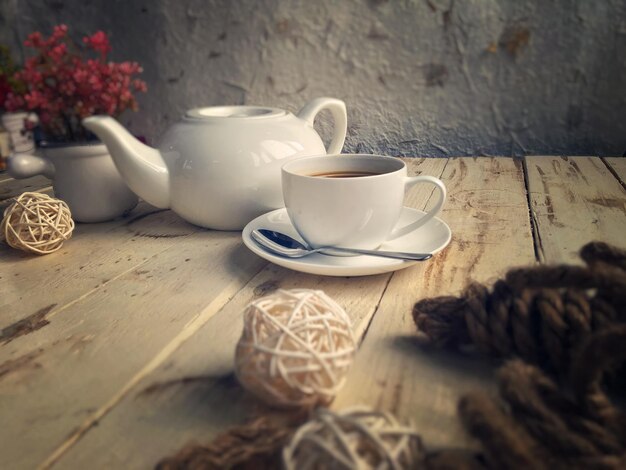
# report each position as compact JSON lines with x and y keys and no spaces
{"x":338,"y":110}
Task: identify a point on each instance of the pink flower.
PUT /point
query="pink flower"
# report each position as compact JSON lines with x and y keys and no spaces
{"x":67,"y":87}
{"x":128,"y":68}
{"x":35,"y":99}
{"x":64,"y":85}
{"x":99,"y":42}
{"x":57,"y":53}
{"x":140,"y":85}
{"x":58,"y":33}
{"x":14,"y":102}
{"x":60,"y":30}
{"x":34,"y":40}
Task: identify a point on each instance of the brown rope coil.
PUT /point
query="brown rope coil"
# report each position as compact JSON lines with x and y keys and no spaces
{"x":539,"y":314}
{"x":255,"y":445}
{"x":534,"y":423}
{"x":539,"y":424}
{"x":568,"y":320}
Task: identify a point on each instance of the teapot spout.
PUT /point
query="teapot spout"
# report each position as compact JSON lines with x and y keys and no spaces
{"x":141,"y":167}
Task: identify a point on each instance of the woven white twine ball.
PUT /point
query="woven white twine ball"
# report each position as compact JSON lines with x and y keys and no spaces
{"x":296,"y":348}
{"x":357,"y":438}
{"x":37,"y":223}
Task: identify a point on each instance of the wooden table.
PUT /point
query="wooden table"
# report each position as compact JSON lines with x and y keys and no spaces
{"x":118,"y":349}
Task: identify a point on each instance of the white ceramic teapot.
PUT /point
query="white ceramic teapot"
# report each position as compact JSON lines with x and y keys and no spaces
{"x":219,"y":167}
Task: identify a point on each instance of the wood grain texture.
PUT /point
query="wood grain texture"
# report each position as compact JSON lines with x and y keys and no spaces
{"x":194,"y":395}
{"x":617,"y":165}
{"x":94,"y":256}
{"x":72,"y":370}
{"x":574,"y":200}
{"x":4,"y":203}
{"x":135,"y":360}
{"x":488,"y":214}
{"x":11,"y":187}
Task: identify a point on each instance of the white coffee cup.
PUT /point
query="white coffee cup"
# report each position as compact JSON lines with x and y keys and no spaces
{"x":351,"y":201}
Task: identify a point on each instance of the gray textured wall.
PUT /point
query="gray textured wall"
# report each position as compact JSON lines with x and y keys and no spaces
{"x":422,"y":77}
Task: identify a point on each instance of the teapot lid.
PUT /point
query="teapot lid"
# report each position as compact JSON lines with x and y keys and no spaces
{"x":233,"y":112}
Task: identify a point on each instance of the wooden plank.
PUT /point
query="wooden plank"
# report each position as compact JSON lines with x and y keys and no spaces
{"x":574,"y":200}
{"x":488,"y":214}
{"x":4,"y":203}
{"x":94,"y":256}
{"x":11,"y":187}
{"x":55,"y":379}
{"x":617,"y":165}
{"x":193,"y":395}
{"x":4,"y":176}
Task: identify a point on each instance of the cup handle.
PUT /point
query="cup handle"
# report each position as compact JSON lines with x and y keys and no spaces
{"x":22,"y":165}
{"x":338,"y":111}
{"x":413,"y":180}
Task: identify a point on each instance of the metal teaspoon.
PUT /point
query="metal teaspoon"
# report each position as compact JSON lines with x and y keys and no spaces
{"x":284,"y":245}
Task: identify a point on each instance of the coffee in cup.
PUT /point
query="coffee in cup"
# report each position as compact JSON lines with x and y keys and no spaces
{"x":351,"y":201}
{"x":344,"y":174}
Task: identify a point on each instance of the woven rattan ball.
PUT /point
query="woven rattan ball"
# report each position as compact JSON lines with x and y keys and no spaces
{"x":37,"y":223}
{"x":295,"y":349}
{"x":355,"y":438}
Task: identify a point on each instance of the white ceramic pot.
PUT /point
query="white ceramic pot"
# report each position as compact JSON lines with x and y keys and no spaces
{"x":220,"y":166}
{"x":83,"y":175}
{"x":21,"y":139}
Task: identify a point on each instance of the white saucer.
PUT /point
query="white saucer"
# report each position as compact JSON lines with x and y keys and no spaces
{"x":432,"y":237}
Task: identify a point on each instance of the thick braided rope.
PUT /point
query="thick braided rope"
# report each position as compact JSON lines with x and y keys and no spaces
{"x":538,"y":422}
{"x":254,"y":445}
{"x":37,"y":223}
{"x":537,"y":313}
{"x":535,"y":423}
{"x":542,"y":424}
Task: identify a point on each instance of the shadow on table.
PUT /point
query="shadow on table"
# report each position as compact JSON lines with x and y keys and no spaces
{"x":461,"y":365}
